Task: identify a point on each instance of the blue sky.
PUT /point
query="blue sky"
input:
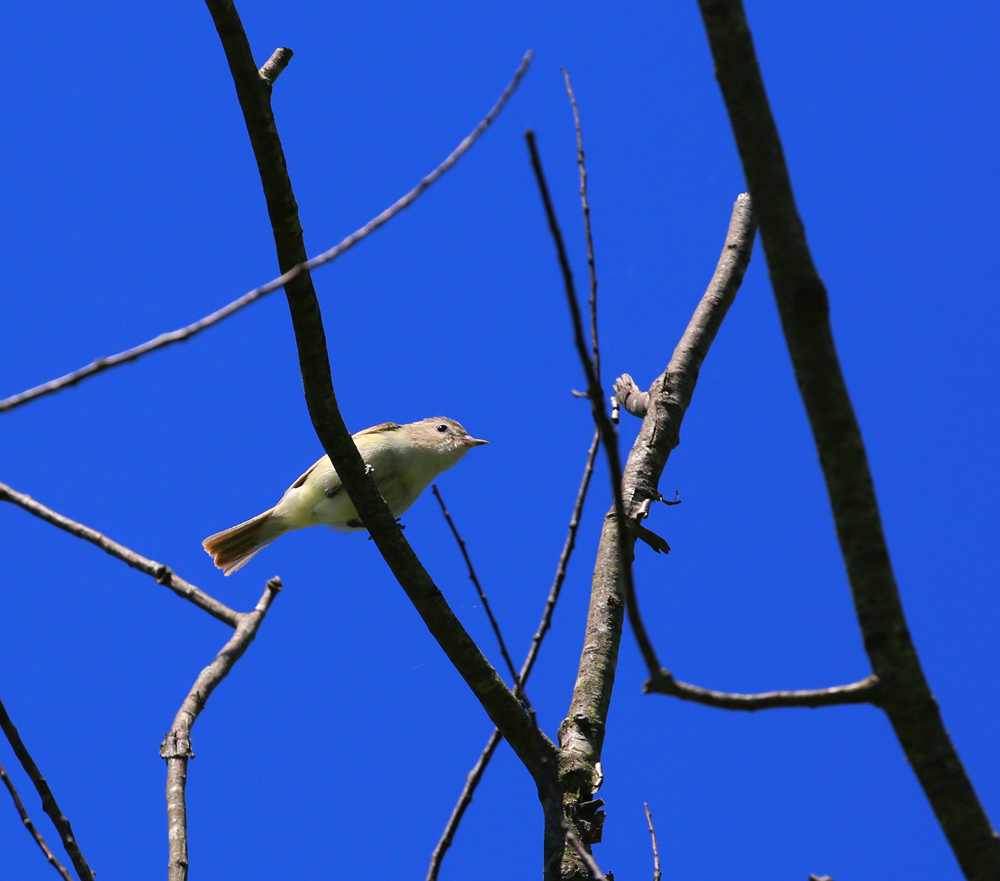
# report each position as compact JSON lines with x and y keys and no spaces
{"x":340,"y":741}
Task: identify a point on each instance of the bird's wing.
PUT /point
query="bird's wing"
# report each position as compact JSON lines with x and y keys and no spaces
{"x":302,"y":479}
{"x":385,"y":426}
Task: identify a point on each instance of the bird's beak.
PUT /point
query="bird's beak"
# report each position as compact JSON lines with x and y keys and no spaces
{"x":474,"y":442}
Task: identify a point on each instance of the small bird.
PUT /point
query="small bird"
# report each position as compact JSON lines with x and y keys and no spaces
{"x":404,"y":459}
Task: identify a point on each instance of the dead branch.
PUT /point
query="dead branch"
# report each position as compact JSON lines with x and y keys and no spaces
{"x":176,"y":747}
{"x":867,"y":691}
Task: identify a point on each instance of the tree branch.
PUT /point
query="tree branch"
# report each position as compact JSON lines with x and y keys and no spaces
{"x":35,"y":834}
{"x":585,"y":206}
{"x":499,"y":702}
{"x":275,"y":65}
{"x":656,"y":849}
{"x":176,"y":747}
{"x":476,"y":774}
{"x":516,"y":683}
{"x":161,"y":574}
{"x":295,"y":270}
{"x":670,"y":394}
{"x":867,"y":691}
{"x":804,"y":310}
{"x":49,"y":804}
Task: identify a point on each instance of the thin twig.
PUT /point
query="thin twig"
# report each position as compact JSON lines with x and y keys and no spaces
{"x":804,"y":309}
{"x":161,"y":574}
{"x":185,"y":333}
{"x":479,"y":589}
{"x":596,"y":395}
{"x":656,"y":849}
{"x":595,"y":349}
{"x":867,"y":691}
{"x":519,"y":690}
{"x":476,"y":774}
{"x":176,"y":747}
{"x":275,"y":64}
{"x":26,"y":820}
{"x":49,"y":804}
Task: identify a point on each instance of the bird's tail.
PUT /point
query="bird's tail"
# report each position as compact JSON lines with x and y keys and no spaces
{"x":233,"y":547}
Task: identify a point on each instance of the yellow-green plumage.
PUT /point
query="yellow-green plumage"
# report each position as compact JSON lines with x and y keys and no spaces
{"x":404,"y":460}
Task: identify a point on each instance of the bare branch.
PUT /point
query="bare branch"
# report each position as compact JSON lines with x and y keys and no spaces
{"x":476,"y":774}
{"x":671,"y":393}
{"x":867,"y":691}
{"x":548,"y":771}
{"x":26,"y":820}
{"x":49,"y":804}
{"x":479,"y":589}
{"x":290,"y":274}
{"x":176,"y":747}
{"x":161,"y":574}
{"x":656,"y":849}
{"x":804,"y":310}
{"x":464,"y":800}
{"x":275,"y":64}
{"x":585,"y":204}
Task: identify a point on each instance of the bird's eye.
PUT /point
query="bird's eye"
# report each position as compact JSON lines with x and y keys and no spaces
{"x":442,"y":428}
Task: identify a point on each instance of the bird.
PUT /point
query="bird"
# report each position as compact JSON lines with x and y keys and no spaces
{"x":403,"y":459}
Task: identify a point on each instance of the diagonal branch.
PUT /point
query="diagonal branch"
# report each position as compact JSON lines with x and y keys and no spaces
{"x":49,"y":804}
{"x":476,"y":774}
{"x":161,"y":574}
{"x":26,"y":820}
{"x":479,"y":590}
{"x":297,"y":268}
{"x":176,"y":747}
{"x":499,"y":702}
{"x":804,"y":310}
{"x":867,"y":691}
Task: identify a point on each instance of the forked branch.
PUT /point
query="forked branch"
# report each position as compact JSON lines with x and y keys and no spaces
{"x":176,"y":747}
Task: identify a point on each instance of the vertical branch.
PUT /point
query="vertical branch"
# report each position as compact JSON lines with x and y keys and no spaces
{"x":585,"y":204}
{"x":656,"y":849}
{"x":176,"y":747}
{"x":804,"y":308}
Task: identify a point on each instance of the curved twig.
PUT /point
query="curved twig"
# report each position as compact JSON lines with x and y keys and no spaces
{"x":867,"y":691}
